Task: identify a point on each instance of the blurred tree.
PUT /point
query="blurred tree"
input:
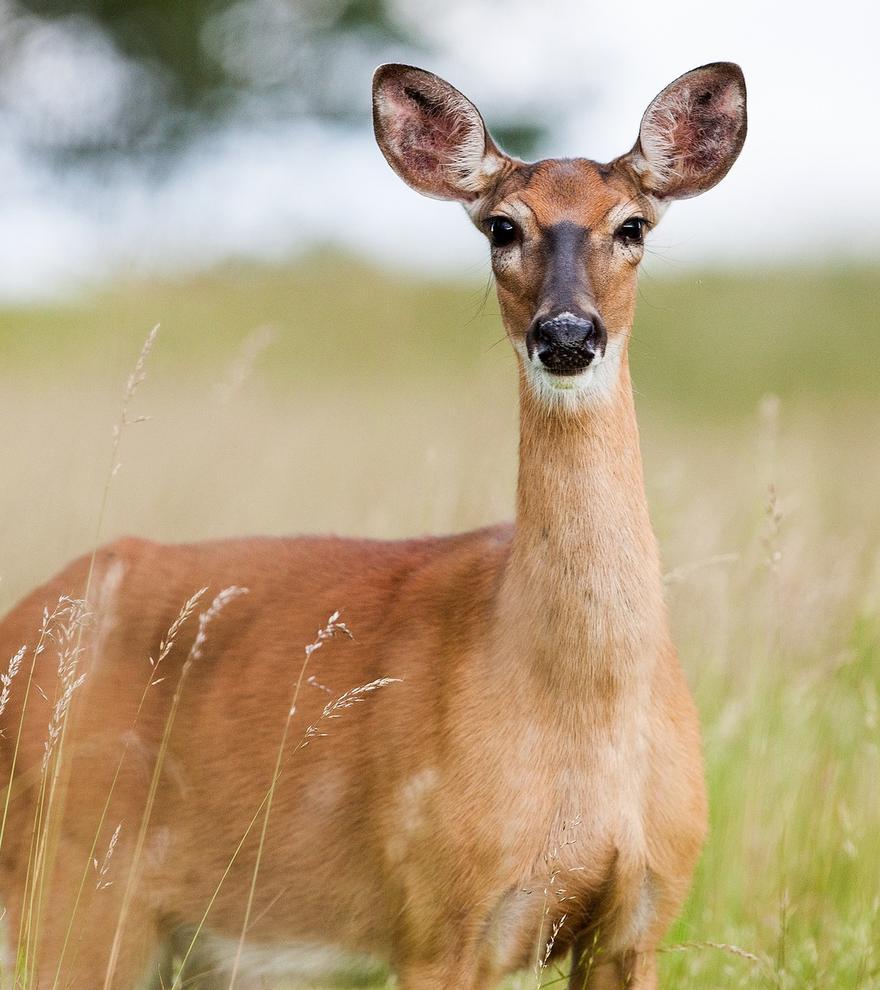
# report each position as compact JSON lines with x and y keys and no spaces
{"x":92,"y":78}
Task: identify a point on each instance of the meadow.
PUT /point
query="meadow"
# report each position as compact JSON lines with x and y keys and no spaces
{"x":331,"y":398}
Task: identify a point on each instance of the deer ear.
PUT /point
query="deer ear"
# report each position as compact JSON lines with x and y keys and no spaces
{"x":432,"y":136}
{"x":692,"y":132}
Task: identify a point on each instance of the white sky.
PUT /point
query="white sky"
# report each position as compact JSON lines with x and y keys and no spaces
{"x":805,"y":186}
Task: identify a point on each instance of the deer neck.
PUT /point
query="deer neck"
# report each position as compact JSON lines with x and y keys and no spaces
{"x":581,"y":592}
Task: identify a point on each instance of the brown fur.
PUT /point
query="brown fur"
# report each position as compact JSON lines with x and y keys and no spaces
{"x":533,"y":777}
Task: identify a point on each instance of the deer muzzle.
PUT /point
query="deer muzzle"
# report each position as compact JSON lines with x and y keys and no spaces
{"x":566,"y":343}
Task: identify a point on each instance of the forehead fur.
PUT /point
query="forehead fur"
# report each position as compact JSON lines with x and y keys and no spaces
{"x":575,"y":189}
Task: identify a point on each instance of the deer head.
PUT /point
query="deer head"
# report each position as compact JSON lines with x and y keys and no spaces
{"x":566,"y":235}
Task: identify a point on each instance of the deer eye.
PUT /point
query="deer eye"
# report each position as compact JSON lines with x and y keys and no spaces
{"x":502,"y":231}
{"x":632,"y":231}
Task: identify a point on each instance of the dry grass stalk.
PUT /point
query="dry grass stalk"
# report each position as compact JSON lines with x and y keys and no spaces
{"x":70,"y":619}
{"x":242,"y":367}
{"x":103,"y":868}
{"x":733,"y":950}
{"x":222,"y":599}
{"x":165,"y":647}
{"x":7,"y":677}
{"x":333,"y":626}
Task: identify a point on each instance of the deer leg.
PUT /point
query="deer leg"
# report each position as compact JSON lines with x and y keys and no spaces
{"x":79,"y":961}
{"x":200,"y":971}
{"x":639,"y":970}
{"x":67,"y":933}
{"x":633,"y":971}
{"x":451,"y":975}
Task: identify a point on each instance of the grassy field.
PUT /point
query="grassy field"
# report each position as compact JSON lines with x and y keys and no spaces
{"x":331,"y":398}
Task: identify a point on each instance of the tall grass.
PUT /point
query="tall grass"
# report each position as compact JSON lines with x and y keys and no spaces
{"x":760,"y":439}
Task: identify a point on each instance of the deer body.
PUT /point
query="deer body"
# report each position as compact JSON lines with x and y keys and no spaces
{"x":530,"y":783}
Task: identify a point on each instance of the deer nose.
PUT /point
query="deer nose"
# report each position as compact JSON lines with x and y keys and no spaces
{"x":566,"y":343}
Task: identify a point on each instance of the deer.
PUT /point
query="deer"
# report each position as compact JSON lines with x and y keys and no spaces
{"x":528,"y":782}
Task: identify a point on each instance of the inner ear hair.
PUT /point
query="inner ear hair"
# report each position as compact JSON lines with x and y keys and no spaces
{"x":692,"y":132}
{"x":432,"y":135}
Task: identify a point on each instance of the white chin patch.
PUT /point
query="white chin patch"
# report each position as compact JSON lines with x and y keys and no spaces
{"x":569,"y":383}
{"x":597,"y":383}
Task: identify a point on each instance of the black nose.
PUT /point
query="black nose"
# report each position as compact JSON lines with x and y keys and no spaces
{"x":566,"y":343}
